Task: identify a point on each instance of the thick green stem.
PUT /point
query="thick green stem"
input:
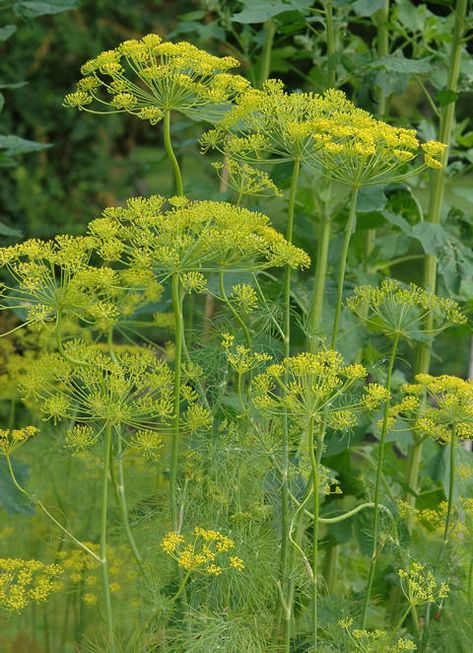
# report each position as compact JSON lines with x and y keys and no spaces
{"x":176,"y":292}
{"x":171,"y":155}
{"x":318,"y":294}
{"x":269,"y":30}
{"x":379,"y":468}
{"x":331,"y":47}
{"x":437,"y":191}
{"x":285,"y":576}
{"x":315,"y":534}
{"x":382,"y":21}
{"x":103,"y":537}
{"x":349,"y":229}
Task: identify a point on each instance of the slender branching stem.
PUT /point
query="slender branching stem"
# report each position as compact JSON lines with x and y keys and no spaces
{"x":451,"y":488}
{"x":236,"y":315}
{"x":103,"y":537}
{"x":331,"y":43}
{"x":437,"y":191}
{"x":42,"y":507}
{"x":177,"y":298}
{"x":349,"y":229}
{"x":171,"y":155}
{"x":377,"y":489}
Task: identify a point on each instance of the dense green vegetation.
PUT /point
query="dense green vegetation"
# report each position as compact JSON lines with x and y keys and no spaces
{"x":237,"y":281}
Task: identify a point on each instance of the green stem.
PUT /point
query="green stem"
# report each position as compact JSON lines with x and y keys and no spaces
{"x":402,"y":619}
{"x":318,"y":294}
{"x":285,"y":575}
{"x":382,"y":20}
{"x":437,"y":191}
{"x":330,"y":38}
{"x":269,"y":30}
{"x":176,"y":292}
{"x":315,"y":535}
{"x":37,"y":502}
{"x":170,"y":152}
{"x":451,"y":487}
{"x":349,"y":229}
{"x":236,"y":315}
{"x":470,"y":583}
{"x":379,"y":468}
{"x":103,"y":537}
{"x":119,"y":487}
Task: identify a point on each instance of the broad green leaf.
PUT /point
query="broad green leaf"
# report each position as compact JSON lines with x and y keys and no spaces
{"x":14,"y":145}
{"x":367,"y":7}
{"x":6,"y":32}
{"x":398,"y":63}
{"x":411,"y":16}
{"x":370,"y":199}
{"x":445,"y":97}
{"x":5,"y":230}
{"x":432,"y":237}
{"x":35,"y":8}
{"x":398,"y":221}
{"x":11,"y":499}
{"x":258,"y":11}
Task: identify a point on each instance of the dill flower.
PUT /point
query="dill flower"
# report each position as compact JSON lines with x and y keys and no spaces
{"x":420,"y":586}
{"x":56,"y":279}
{"x":13,"y":439}
{"x":246,"y":180}
{"x":241,"y":358}
{"x":149,"y":77}
{"x":398,"y":311}
{"x":438,"y":407}
{"x":25,"y":582}
{"x":192,"y":236}
{"x":313,"y":386}
{"x":374,"y":641}
{"x":207,"y":552}
{"x":327,"y":131}
{"x":245,"y":297}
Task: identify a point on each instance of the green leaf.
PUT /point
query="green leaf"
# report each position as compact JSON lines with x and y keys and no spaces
{"x":11,"y":499}
{"x":411,"y":16}
{"x":5,"y":230}
{"x":432,"y":237}
{"x":2,"y":102}
{"x":398,"y":63}
{"x":398,"y":221}
{"x":445,"y":97}
{"x":14,"y":145}
{"x":371,"y":199}
{"x":367,"y":7}
{"x":6,"y":32}
{"x":258,"y":11}
{"x":35,"y":8}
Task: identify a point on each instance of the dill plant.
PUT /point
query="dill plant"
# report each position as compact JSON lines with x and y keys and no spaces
{"x":224,"y":432}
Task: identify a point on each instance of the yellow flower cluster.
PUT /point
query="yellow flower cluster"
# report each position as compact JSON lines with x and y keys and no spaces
{"x":191,"y":236}
{"x":242,"y":359}
{"x":311,"y":386}
{"x":206,"y":553}
{"x":13,"y":439}
{"x":246,"y":180}
{"x":438,"y":407}
{"x":148,"y":444}
{"x":326,"y":131}
{"x":56,"y":279}
{"x":133,"y":391}
{"x":149,"y":77}
{"x":419,"y":585}
{"x":82,"y":571}
{"x":398,"y":311}
{"x":375,"y":641}
{"x":245,"y":297}
{"x":25,"y":582}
